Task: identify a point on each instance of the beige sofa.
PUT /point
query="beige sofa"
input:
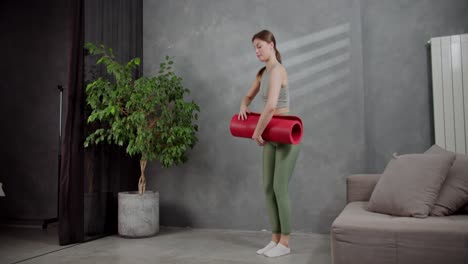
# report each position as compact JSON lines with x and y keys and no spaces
{"x":359,"y":236}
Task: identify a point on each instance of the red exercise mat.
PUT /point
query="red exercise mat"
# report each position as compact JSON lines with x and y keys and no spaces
{"x":281,"y":128}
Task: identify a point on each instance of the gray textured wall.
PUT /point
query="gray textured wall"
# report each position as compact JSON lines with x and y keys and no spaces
{"x":398,"y":103}
{"x":34,"y":61}
{"x":220,"y":186}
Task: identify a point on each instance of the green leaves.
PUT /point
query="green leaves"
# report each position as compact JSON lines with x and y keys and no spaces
{"x":148,"y":115}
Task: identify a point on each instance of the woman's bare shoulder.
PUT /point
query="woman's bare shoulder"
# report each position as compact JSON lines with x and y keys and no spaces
{"x":279,"y":70}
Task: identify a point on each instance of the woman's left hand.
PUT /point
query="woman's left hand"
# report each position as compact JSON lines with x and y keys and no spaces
{"x":259,"y":140}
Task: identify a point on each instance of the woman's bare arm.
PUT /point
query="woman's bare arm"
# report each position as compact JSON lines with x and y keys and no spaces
{"x":247,"y":99}
{"x":272,"y":101}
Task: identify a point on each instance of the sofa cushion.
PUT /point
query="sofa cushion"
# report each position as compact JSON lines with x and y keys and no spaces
{"x":360,"y":236}
{"x":454,"y":192}
{"x":410,"y":184}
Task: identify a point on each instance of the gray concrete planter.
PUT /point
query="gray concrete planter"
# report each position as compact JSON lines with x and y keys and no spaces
{"x":138,"y":214}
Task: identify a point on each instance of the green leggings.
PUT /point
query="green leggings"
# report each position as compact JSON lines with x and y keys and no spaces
{"x":278,"y":167}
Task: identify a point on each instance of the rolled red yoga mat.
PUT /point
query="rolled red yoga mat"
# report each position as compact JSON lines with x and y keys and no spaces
{"x":281,"y":129}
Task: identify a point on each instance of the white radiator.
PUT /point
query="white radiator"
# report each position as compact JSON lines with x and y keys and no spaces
{"x":449,"y":56}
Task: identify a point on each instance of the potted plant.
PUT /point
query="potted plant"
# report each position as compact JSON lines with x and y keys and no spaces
{"x":150,"y":118}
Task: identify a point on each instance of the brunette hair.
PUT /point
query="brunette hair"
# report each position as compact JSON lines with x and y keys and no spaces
{"x":268,"y":37}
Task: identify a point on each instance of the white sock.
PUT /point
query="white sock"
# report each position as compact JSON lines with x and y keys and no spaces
{"x":265,"y":249}
{"x":277,"y":251}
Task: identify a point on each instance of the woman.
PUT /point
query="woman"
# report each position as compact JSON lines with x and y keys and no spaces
{"x":278,"y":159}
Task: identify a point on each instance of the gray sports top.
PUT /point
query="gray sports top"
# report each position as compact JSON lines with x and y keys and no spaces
{"x":283,"y":99}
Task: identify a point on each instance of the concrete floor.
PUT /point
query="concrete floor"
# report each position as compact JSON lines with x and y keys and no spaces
{"x":20,"y":243}
{"x":171,"y":245}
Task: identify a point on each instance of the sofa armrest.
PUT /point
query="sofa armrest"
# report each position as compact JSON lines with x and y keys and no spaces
{"x":359,"y":187}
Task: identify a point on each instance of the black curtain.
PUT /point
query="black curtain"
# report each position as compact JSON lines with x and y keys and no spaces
{"x":91,"y":178}
{"x":118,"y":25}
{"x":71,"y":171}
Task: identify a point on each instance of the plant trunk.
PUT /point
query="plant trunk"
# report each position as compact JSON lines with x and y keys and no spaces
{"x":142,"y":180}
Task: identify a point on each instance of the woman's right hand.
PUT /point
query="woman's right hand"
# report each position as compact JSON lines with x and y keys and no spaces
{"x":244,"y":110}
